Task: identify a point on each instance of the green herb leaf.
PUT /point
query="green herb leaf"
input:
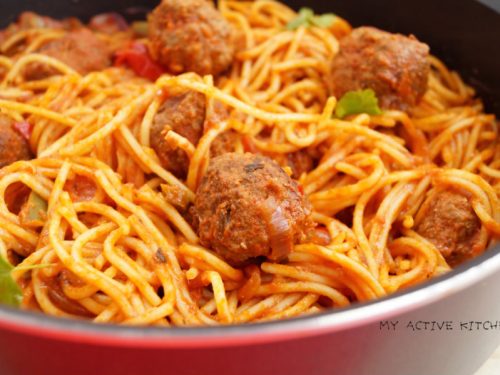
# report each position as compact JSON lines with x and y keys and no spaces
{"x":37,"y":207}
{"x":305,"y":14}
{"x":10,"y":292}
{"x":307,"y":18}
{"x":354,"y":102}
{"x":34,"y":211}
{"x":324,"y":21}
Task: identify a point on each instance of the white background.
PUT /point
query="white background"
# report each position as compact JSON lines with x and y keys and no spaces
{"x":492,"y":366}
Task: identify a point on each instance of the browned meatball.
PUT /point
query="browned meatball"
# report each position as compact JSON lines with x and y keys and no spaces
{"x":393,"y":65}
{"x":184,"y":114}
{"x":13,"y":146}
{"x":31,"y":20}
{"x":190,"y":36}
{"x":450,"y":223}
{"x":80,"y":49}
{"x":247,"y":206}
{"x":27,"y":21}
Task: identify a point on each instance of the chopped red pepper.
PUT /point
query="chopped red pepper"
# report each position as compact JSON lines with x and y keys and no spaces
{"x":136,"y":57}
{"x":24,"y":128}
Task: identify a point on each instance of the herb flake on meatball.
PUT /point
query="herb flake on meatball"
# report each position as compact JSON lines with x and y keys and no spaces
{"x":393,"y":65}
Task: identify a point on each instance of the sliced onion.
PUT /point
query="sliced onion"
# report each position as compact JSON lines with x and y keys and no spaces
{"x":279,"y":230}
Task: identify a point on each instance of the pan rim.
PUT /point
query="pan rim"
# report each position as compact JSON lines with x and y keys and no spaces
{"x":331,"y":321}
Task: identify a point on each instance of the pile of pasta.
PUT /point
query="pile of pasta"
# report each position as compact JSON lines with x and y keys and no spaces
{"x":139,"y":261}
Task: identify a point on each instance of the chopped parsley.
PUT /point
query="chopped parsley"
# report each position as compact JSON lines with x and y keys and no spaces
{"x":307,"y":18}
{"x":355,"y":102}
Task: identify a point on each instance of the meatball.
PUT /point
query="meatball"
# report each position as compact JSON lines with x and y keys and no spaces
{"x":393,"y":65}
{"x":80,"y":49}
{"x":31,"y":20}
{"x":13,"y":146}
{"x":184,"y":114}
{"x":247,"y":206}
{"x":26,"y":21}
{"x":191,"y":36}
{"x":450,"y":223}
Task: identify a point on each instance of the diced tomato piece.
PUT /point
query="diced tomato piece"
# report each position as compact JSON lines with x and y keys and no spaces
{"x":137,"y":58}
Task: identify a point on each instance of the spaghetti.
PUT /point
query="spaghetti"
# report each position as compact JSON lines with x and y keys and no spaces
{"x":128,"y":255}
